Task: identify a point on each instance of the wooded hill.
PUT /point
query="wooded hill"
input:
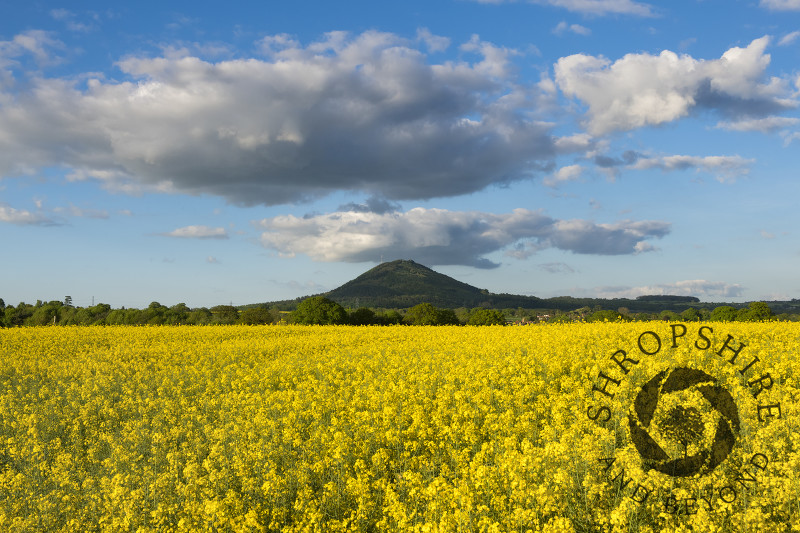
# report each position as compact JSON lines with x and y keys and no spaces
{"x":403,"y":284}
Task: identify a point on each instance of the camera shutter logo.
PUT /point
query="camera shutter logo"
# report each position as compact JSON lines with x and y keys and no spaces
{"x":683,"y":423}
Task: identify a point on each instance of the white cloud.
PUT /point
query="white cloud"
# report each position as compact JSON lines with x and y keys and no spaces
{"x":789,"y":38}
{"x":434,"y":43}
{"x":592,"y":7}
{"x":574,"y":28}
{"x":557,"y":268}
{"x":439,"y":236}
{"x":38,"y":43}
{"x":699,"y":288}
{"x":574,"y":143}
{"x":763,"y":125}
{"x":76,"y":211}
{"x":723,"y":167}
{"x":212,"y":260}
{"x":781,"y":5}
{"x":563,"y":175}
{"x":642,"y":89}
{"x":198,"y":232}
{"x":22,"y":217}
{"x":364,"y":113}
{"x":68,"y":17}
{"x":789,"y":138}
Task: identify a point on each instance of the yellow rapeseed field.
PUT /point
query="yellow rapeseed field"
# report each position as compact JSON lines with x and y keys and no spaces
{"x":578,"y":427}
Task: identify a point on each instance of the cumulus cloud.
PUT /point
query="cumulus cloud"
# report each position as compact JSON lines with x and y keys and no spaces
{"x":367,"y":113}
{"x":781,"y":5}
{"x":642,"y":89}
{"x":593,"y":7}
{"x":442,"y":237}
{"x":699,"y":288}
{"x":22,"y":217}
{"x":198,"y":232}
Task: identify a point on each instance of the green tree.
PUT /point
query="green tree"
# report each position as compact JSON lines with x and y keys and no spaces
{"x":154,"y":314}
{"x":486,"y":317}
{"x":177,"y":314}
{"x":690,"y":315}
{"x":45,"y":314}
{"x":201,"y":315}
{"x":603,"y":315}
{"x":319,"y":310}
{"x":723,"y":313}
{"x":446,"y":317}
{"x":256,"y":315}
{"x":759,"y":311}
{"x":224,"y":314}
{"x":423,"y":314}
{"x":363,"y":316}
{"x":16,"y":316}
{"x":426,"y":314}
{"x":671,"y":316}
{"x":390,"y":317}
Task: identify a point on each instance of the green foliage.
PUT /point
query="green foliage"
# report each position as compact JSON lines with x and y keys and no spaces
{"x":423,"y":314}
{"x":363,"y":316}
{"x":447,"y":317}
{"x":757,"y":311}
{"x":723,"y":313}
{"x":224,"y":314}
{"x":391,"y":317}
{"x":319,"y":310}
{"x":256,"y":315}
{"x":604,"y":315}
{"x":690,"y":315}
{"x":670,"y":316}
{"x":426,"y":314}
{"x":486,"y":317}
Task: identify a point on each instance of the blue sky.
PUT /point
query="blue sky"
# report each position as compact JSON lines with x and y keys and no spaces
{"x":189,"y":152}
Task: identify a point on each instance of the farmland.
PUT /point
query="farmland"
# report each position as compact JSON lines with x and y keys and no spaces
{"x":341,"y":428}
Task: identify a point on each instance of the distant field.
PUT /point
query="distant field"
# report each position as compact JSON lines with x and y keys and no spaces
{"x":293,"y":428}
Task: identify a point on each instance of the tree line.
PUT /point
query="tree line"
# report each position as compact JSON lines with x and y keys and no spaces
{"x":63,"y":314}
{"x":322,"y":310}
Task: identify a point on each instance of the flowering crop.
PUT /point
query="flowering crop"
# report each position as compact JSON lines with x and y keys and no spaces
{"x":338,"y":428}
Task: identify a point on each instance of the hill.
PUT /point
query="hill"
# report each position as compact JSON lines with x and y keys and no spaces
{"x":403,"y":284}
